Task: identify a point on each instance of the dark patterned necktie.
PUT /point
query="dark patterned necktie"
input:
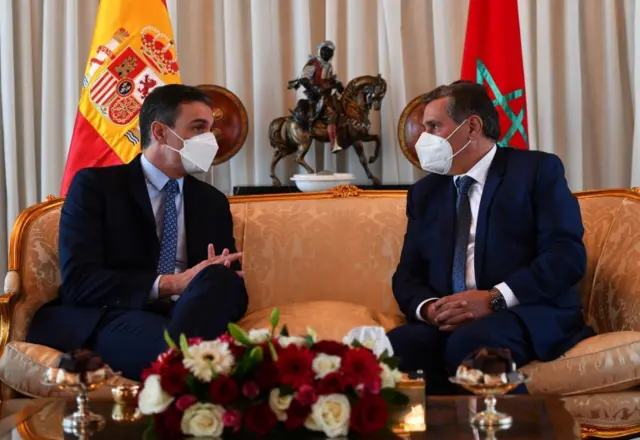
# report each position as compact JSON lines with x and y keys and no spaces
{"x":169,"y":246}
{"x":463,"y":225}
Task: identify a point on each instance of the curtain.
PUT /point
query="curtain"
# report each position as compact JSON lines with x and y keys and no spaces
{"x":581,"y":60}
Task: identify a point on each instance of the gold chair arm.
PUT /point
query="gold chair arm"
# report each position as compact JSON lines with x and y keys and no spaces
{"x":11,"y":290}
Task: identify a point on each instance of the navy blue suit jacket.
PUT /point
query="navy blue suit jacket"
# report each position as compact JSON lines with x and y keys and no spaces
{"x":109,"y":248}
{"x":529,"y":235}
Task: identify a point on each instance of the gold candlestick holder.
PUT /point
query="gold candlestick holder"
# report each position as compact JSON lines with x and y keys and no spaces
{"x":413,"y":417}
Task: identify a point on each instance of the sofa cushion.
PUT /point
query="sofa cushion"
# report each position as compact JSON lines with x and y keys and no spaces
{"x":330,"y":319}
{"x":23,"y":365}
{"x":603,"y":363}
{"x":606,"y":415}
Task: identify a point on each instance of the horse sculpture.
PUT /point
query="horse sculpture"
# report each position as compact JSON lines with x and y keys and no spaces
{"x":361,"y":95}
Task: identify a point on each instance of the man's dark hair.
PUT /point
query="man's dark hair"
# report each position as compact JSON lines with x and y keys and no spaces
{"x":467,"y":98}
{"x":163,"y":105}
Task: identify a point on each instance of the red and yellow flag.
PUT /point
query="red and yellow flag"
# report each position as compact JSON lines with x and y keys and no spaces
{"x":132,"y":53}
{"x":493,"y":57}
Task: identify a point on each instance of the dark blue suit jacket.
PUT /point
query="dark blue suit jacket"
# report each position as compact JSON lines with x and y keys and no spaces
{"x":529,"y":235}
{"x":109,"y":248}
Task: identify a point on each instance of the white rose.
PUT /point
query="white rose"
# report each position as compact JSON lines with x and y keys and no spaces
{"x":153,"y":399}
{"x":324,"y":364}
{"x":389,"y":377}
{"x":203,"y":420}
{"x":298,"y":341}
{"x":330,"y":414}
{"x":258,"y":336}
{"x":279,"y":404}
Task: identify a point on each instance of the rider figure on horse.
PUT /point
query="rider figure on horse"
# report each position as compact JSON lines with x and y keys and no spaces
{"x":319,"y":81}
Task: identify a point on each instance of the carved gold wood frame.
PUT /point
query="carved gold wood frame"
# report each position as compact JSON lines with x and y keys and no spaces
{"x":25,"y":219}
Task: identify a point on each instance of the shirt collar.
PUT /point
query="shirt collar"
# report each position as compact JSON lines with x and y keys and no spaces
{"x":480,"y":170}
{"x":156,"y":177}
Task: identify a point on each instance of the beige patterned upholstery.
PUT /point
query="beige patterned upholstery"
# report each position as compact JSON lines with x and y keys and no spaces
{"x":324,"y":259}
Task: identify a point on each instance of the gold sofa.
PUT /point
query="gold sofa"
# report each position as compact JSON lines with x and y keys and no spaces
{"x":326,"y":260}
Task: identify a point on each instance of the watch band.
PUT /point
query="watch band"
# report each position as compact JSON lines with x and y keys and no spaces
{"x":497,"y":301}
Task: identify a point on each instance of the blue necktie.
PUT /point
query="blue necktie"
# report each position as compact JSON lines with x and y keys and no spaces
{"x":463,"y":225}
{"x":169,"y":246}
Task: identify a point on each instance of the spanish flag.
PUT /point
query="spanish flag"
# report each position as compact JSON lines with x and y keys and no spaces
{"x":132,"y":53}
{"x":493,"y":58}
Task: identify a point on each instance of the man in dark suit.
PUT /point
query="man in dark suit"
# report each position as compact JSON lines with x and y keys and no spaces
{"x":493,"y":249}
{"x":138,"y":245}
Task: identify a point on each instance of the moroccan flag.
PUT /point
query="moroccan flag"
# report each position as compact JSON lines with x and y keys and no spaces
{"x":493,"y":57}
{"x":132,"y":53}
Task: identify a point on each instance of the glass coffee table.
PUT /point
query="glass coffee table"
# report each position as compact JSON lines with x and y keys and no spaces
{"x":444,"y":418}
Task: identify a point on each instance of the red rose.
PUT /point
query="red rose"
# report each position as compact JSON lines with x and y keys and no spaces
{"x":306,"y":395}
{"x":260,"y":419}
{"x":371,"y":387}
{"x":224,"y":390}
{"x":172,"y":378}
{"x":185,"y":402}
{"x":226,"y":337}
{"x":294,"y":365}
{"x":167,"y":424}
{"x":360,"y":365}
{"x":154,"y":369}
{"x":369,"y":415}
{"x":232,"y":418}
{"x":332,"y":383}
{"x":297,"y":414}
{"x":267,"y":376}
{"x":331,"y":348}
{"x":250,"y":390}
{"x":236,"y":350}
{"x":194,"y":341}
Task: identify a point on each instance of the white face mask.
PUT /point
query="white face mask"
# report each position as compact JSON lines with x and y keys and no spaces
{"x":198,"y":152}
{"x":435,"y":153}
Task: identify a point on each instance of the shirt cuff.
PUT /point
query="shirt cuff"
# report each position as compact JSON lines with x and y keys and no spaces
{"x":507,"y":293}
{"x":418,"y":315}
{"x":153,"y":296}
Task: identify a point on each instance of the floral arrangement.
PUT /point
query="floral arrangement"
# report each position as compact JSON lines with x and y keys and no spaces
{"x":267,"y":382}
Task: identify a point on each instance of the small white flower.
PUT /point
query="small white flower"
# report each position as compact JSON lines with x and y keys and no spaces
{"x":324,"y":364}
{"x":279,"y":404}
{"x":330,"y":414}
{"x":389,"y":377}
{"x":208,"y":357}
{"x":298,"y":341}
{"x":153,"y":399}
{"x":258,"y":336}
{"x":203,"y":420}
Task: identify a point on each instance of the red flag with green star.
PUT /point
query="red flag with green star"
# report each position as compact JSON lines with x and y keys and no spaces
{"x":493,"y":58}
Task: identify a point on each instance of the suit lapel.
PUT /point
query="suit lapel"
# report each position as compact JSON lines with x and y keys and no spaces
{"x":192,"y":220}
{"x":494,"y":179}
{"x":446,"y":223}
{"x":138,"y":188}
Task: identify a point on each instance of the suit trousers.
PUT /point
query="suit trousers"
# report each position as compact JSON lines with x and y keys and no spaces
{"x":422,"y":346}
{"x":129,"y":340}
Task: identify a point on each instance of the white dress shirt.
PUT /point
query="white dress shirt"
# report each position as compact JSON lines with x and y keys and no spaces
{"x":156,"y":180}
{"x":479,"y":174}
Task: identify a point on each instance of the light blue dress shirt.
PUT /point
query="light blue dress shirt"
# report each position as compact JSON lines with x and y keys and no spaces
{"x":156,"y":180}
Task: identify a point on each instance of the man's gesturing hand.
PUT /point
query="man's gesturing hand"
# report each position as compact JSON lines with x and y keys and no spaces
{"x":170,"y":285}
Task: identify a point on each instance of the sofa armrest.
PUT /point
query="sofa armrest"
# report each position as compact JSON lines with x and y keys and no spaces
{"x":11,"y":290}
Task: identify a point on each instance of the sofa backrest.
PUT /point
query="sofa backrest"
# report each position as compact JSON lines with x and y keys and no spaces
{"x":345,"y":246}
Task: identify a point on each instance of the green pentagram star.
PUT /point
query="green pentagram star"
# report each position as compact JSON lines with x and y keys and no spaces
{"x":483,"y":74}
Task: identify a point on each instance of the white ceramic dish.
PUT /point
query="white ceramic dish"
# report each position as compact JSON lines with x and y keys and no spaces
{"x":321,"y":182}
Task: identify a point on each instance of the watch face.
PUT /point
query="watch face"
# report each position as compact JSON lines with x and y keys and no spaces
{"x":498,"y":303}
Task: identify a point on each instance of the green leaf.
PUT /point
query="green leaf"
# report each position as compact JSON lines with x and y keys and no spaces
{"x":384,"y":355}
{"x":392,"y":363}
{"x":256,"y":355}
{"x":285,"y":390}
{"x":284,"y":331}
{"x":356,"y":344}
{"x":272,"y":351}
{"x":239,"y":334}
{"x":184,"y":346}
{"x":274,"y":318}
{"x":149,"y":433}
{"x":169,"y":341}
{"x":312,"y":333}
{"x":308,"y":341}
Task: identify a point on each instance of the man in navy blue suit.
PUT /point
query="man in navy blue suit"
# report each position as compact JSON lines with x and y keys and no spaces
{"x":493,"y":249}
{"x":138,"y":245}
